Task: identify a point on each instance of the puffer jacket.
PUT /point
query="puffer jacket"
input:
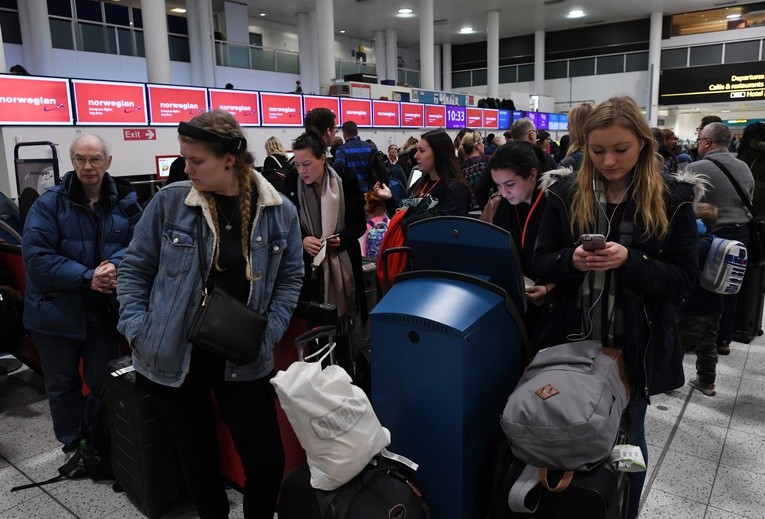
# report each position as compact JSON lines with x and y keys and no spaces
{"x":160,"y":285}
{"x":649,"y":286}
{"x":754,"y":156}
{"x":62,"y":245}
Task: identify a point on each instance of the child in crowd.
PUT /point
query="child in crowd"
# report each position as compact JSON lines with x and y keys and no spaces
{"x":377,"y":225}
{"x":699,"y":315}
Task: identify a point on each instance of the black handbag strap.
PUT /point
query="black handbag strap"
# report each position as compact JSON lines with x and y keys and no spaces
{"x":737,"y":187}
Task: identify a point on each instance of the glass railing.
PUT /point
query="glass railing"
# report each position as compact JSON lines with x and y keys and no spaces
{"x":241,"y":55}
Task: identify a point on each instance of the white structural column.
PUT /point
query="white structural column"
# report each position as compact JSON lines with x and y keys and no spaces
{"x":427,"y":72}
{"x":492,"y":53}
{"x":391,"y":54}
{"x":539,"y":62}
{"x":195,"y":47}
{"x":437,"y":66}
{"x":325,"y":23}
{"x":304,"y":50}
{"x":314,"y":39}
{"x":203,"y":39}
{"x":446,"y":70}
{"x":155,"y":41}
{"x":381,"y":66}
{"x":654,"y":67}
{"x":33,"y":14}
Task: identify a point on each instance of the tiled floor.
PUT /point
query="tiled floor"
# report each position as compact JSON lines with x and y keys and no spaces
{"x":704,"y":452}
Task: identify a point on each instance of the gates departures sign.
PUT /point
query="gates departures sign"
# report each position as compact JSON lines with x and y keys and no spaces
{"x":713,"y":84}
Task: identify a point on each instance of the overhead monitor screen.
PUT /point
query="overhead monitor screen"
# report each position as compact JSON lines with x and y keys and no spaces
{"x":412,"y":115}
{"x":456,"y":117}
{"x":33,"y":100}
{"x":435,"y":116}
{"x":490,"y":119}
{"x":356,"y":110}
{"x":243,"y":105}
{"x":331,"y":103}
{"x":110,"y":103}
{"x":386,"y":114}
{"x":281,"y":109}
{"x":170,"y":105}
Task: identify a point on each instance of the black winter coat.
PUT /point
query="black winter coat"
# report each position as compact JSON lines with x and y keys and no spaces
{"x":649,"y":286}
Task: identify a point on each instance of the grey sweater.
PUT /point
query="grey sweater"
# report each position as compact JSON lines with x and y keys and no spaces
{"x":721,"y":192}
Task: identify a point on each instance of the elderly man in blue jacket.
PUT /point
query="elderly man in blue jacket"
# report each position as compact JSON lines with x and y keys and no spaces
{"x":74,"y":238}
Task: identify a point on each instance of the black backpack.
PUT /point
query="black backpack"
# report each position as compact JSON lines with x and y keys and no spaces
{"x":379,"y":169}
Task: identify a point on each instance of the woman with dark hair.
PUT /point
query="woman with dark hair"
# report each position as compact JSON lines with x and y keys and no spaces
{"x":250,"y":240}
{"x":516,"y":169}
{"x":332,"y":220}
{"x":441,"y":178}
{"x":624,"y":294}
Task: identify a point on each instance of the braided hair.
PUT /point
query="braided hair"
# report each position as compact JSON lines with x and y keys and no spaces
{"x":223,"y":123}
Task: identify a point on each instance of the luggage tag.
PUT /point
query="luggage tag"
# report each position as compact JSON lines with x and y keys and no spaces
{"x":627,"y":458}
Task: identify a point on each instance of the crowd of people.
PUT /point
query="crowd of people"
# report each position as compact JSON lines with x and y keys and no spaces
{"x":99,"y":263}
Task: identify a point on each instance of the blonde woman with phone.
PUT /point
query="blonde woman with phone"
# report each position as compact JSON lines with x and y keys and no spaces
{"x":625,"y":294}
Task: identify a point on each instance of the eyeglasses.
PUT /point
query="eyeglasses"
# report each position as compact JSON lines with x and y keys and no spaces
{"x":95,"y":161}
{"x":705,"y":139}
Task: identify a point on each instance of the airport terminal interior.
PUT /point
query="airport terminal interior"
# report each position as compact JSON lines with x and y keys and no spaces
{"x":492,"y":62}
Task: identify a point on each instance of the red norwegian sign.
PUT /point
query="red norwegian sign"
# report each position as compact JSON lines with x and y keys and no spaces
{"x":241,"y":104}
{"x":490,"y":118}
{"x":356,"y":110}
{"x":281,"y":109}
{"x":331,"y":103}
{"x":412,"y":115}
{"x":385,"y":114}
{"x":32,"y":100}
{"x":169,"y":105}
{"x":139,"y":134}
{"x":435,"y":116}
{"x":474,"y":118}
{"x":102,"y":103}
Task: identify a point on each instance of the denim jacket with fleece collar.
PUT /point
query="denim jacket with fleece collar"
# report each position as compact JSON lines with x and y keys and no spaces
{"x":160,"y":286}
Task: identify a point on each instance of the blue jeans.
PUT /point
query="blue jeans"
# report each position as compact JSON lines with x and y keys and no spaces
{"x":636,"y":412}
{"x":60,"y":359}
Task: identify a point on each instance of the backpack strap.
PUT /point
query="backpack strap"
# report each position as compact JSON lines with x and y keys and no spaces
{"x":523,"y":489}
{"x":736,"y":186}
{"x":562,"y":485}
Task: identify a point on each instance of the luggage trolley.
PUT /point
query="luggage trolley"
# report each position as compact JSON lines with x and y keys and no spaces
{"x":447,"y":346}
{"x":34,"y":176}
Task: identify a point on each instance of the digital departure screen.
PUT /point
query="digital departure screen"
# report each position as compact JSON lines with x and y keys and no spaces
{"x":713,"y":84}
{"x":356,"y":110}
{"x":169,"y":105}
{"x":435,"y":116}
{"x":412,"y":115}
{"x":385,"y":114}
{"x":32,"y":100}
{"x":490,"y":119}
{"x":281,"y":109}
{"x":504,"y":120}
{"x":331,"y":103}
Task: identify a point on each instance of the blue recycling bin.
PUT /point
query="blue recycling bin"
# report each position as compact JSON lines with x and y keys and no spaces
{"x":446,"y":352}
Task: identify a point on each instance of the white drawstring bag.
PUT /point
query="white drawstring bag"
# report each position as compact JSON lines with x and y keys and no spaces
{"x":332,"y":418}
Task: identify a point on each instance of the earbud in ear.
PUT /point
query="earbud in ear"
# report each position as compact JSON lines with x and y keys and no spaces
{"x":642,"y":145}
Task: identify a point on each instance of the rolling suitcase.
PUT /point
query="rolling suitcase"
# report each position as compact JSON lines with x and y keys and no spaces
{"x":749,"y":306}
{"x":599,"y":493}
{"x":143,"y":456}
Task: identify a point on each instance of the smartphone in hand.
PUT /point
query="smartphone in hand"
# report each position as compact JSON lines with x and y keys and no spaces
{"x":593,"y":242}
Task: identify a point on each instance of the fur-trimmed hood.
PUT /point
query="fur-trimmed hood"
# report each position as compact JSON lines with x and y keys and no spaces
{"x":699,"y":182}
{"x":548,"y":178}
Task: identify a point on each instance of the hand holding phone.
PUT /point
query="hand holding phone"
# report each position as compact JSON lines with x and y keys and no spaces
{"x":593,"y":242}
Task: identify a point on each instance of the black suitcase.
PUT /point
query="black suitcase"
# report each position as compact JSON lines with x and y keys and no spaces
{"x":749,"y":306}
{"x":383,"y":490}
{"x":144,"y":460}
{"x":600,"y":493}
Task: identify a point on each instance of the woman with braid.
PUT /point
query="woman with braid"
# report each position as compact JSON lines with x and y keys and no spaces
{"x":251,"y":241}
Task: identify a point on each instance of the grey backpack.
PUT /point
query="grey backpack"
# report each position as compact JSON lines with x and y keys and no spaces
{"x":564,"y":414}
{"x":725,"y":266}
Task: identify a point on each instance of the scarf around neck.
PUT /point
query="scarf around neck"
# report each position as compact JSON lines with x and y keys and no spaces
{"x":321,"y":217}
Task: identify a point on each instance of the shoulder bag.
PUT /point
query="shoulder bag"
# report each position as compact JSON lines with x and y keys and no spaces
{"x":222,"y":324}
{"x":755,"y":248}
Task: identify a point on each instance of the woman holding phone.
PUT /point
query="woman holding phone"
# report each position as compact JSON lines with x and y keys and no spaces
{"x":332,"y":220}
{"x":625,"y":294}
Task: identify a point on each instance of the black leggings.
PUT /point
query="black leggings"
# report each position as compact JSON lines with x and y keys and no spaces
{"x":248,"y":410}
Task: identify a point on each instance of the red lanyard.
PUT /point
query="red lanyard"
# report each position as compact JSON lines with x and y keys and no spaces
{"x":528,"y":217}
{"x":423,"y":192}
